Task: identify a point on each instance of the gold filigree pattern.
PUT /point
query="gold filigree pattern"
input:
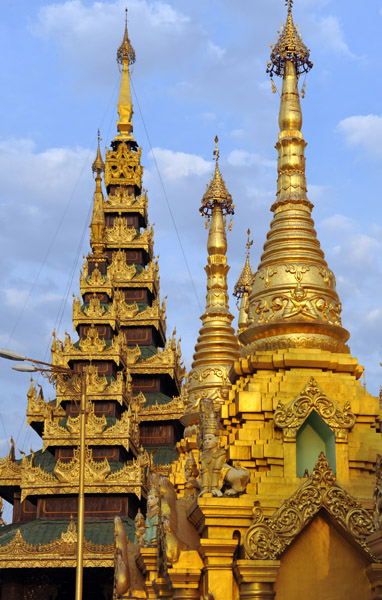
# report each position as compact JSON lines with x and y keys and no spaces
{"x":58,"y":553}
{"x":268,"y":538}
{"x":291,"y":416}
{"x":119,"y":270}
{"x":122,"y":166}
{"x":121,"y":200}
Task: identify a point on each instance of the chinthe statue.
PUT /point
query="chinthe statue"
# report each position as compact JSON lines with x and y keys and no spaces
{"x":217,"y":476}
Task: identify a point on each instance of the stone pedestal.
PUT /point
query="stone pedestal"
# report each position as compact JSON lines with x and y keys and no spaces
{"x":147,"y":562}
{"x":256,"y":578}
{"x":185,"y":576}
{"x":217,"y":555}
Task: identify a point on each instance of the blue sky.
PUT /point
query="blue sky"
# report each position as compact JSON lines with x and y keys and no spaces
{"x":200,"y":71}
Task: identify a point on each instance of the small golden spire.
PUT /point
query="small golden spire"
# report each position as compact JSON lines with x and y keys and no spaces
{"x":126,"y":58}
{"x":98,"y":165}
{"x":243,"y":287}
{"x":289,"y":47}
{"x":216,"y":192}
{"x":217,"y":346}
{"x":97,"y":226}
{"x":245,"y":279}
{"x":126,"y":53}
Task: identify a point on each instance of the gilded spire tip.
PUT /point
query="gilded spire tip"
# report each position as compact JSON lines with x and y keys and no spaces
{"x":126,"y":52}
{"x":98,"y":165}
{"x":244,"y":282}
{"x":289,"y":46}
{"x":216,"y":193}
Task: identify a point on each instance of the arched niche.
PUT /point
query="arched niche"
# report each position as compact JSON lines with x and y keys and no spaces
{"x":314,"y":437}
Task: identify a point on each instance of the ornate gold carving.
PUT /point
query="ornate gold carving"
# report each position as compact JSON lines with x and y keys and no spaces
{"x":289,"y":417}
{"x":123,"y":166}
{"x":132,"y":355}
{"x":93,"y":312}
{"x":92,"y":342}
{"x":122,"y":236}
{"x":266,"y":274}
{"x":283,"y":342}
{"x":64,"y":479}
{"x":121,"y":200}
{"x":268,"y":538}
{"x":119,"y":270}
{"x":160,"y":412}
{"x":61,"y":552}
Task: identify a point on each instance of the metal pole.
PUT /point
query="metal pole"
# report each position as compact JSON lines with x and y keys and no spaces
{"x":81,"y":496}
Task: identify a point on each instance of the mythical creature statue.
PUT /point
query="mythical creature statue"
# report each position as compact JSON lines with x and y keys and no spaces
{"x":377,"y":496}
{"x":121,"y":568}
{"x":140,"y":529}
{"x":151,"y":523}
{"x":217,"y":476}
{"x":191,"y":487}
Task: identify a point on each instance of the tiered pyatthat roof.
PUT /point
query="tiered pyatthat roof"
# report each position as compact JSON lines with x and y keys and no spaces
{"x":217,"y":345}
{"x":293,"y":302}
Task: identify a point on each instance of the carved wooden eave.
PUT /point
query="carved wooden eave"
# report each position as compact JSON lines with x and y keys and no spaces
{"x":289,"y":417}
{"x":38,"y":409}
{"x":129,"y":314}
{"x":268,"y":538}
{"x":64,"y":480}
{"x":120,"y":273}
{"x":163,"y":412}
{"x":61,"y":552}
{"x":96,"y":282}
{"x":122,"y":167}
{"x":10,"y":472}
{"x":165,"y":362}
{"x":98,"y":387}
{"x":122,"y":236}
{"x":125,"y":432}
{"x":92,"y":347}
{"x":93,"y":312}
{"x":122,"y":201}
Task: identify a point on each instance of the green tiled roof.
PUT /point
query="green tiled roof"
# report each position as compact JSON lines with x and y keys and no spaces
{"x":163,"y":455}
{"x":156,"y":398}
{"x":43,"y":532}
{"x":45,"y":460}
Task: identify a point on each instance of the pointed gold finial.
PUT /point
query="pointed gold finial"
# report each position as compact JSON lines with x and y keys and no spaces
{"x":126,"y":53}
{"x":216,"y":192}
{"x":97,"y":226}
{"x":289,"y":47}
{"x":98,"y":165}
{"x":244,"y":282}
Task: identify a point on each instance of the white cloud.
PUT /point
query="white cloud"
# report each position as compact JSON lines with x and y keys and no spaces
{"x":242,"y":158}
{"x":176,"y":165}
{"x":329,"y":31}
{"x":364,"y":131}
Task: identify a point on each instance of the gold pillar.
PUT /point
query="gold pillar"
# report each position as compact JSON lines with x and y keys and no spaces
{"x":256,"y":578}
{"x":185,"y":576}
{"x":147,"y":562}
{"x":217,"y":555}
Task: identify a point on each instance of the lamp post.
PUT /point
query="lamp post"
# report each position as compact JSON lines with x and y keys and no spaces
{"x":45,"y":369}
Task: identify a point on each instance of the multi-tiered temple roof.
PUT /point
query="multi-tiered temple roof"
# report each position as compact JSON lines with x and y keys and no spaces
{"x":133,"y":379}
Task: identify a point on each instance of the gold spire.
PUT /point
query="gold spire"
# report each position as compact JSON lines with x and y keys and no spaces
{"x":243,"y":287}
{"x":97,"y":226}
{"x":293,"y":302}
{"x":125,"y":57}
{"x":289,"y":47}
{"x":217,"y":345}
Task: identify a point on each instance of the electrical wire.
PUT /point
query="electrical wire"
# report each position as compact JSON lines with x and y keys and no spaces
{"x":166,"y":198}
